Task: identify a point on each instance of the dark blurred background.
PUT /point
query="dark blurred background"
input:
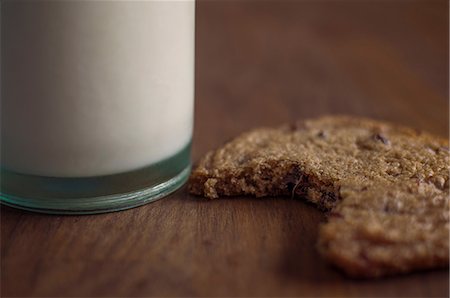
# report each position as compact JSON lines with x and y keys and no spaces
{"x":268,"y":62}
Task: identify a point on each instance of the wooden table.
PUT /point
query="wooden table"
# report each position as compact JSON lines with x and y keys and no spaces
{"x":258,"y":63}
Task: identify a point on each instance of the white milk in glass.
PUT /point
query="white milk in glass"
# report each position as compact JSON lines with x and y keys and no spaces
{"x":95,"y":88}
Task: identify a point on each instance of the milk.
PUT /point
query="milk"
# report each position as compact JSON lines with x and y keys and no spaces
{"x":93,"y":88}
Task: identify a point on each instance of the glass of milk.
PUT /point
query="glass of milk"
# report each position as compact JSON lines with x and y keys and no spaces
{"x":96,"y":102}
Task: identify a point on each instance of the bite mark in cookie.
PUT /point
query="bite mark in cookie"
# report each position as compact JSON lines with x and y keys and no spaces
{"x":376,"y":178}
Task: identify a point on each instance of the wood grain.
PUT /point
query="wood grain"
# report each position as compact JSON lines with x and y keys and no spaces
{"x":259,"y":63}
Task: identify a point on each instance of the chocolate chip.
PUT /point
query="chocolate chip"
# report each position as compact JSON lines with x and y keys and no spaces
{"x":387,"y":208}
{"x":381,"y":138}
{"x":322,"y":134}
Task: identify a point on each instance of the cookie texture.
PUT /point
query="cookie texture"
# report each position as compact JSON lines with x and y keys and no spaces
{"x":385,"y":187}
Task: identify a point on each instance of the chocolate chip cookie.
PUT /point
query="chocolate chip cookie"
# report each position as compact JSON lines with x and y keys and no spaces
{"x":385,"y":187}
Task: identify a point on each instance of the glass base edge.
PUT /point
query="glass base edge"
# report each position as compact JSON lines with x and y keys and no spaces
{"x":111,"y":203}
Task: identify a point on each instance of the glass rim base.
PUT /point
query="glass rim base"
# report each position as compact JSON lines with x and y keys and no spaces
{"x":93,"y":195}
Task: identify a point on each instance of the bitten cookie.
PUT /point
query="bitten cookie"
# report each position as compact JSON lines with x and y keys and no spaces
{"x":386,"y":187}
